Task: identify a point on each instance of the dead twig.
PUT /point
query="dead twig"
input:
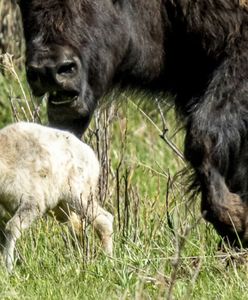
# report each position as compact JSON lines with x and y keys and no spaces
{"x":180,"y":243}
{"x":161,"y":133}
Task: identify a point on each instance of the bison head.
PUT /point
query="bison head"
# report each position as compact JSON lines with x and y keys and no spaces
{"x":72,"y":50}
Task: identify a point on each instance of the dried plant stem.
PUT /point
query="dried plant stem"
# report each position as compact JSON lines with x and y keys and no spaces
{"x":180,"y":242}
{"x":161,"y":134}
{"x":21,"y":105}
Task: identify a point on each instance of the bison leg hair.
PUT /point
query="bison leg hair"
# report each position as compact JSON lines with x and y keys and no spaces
{"x":216,"y":145}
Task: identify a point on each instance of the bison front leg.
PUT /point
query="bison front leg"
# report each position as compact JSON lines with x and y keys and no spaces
{"x":224,"y":209}
{"x":217,"y":148}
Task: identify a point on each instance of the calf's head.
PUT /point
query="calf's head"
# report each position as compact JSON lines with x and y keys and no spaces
{"x":72,"y":51}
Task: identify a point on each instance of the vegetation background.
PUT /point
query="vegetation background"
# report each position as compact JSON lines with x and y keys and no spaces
{"x":163,"y":249}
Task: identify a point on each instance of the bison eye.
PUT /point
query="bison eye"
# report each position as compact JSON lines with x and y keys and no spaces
{"x":67,"y":68}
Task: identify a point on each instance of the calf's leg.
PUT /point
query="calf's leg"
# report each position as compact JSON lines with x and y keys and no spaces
{"x":22,"y":219}
{"x":93,"y":213}
{"x":103,"y":224}
{"x":101,"y":220}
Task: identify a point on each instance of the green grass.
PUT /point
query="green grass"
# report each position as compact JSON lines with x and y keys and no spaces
{"x":162,"y":249}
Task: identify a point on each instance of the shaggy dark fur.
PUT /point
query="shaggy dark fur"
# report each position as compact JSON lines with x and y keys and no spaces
{"x":196,"y":49}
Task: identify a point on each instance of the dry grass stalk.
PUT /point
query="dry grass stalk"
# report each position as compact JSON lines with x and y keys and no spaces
{"x":11,"y":38}
{"x":162,"y":133}
{"x":23,"y":107}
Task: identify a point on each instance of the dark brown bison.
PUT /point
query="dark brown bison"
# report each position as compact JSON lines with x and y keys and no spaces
{"x":196,"y":49}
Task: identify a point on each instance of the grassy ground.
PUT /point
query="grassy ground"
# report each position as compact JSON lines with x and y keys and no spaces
{"x":163,"y":249}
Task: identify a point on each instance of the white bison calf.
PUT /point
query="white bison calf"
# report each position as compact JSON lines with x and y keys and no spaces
{"x":44,"y":169}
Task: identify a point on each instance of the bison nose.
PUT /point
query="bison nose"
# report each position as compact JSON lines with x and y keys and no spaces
{"x":51,"y":76}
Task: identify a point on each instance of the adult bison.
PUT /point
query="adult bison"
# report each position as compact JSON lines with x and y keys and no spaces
{"x":196,"y":49}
